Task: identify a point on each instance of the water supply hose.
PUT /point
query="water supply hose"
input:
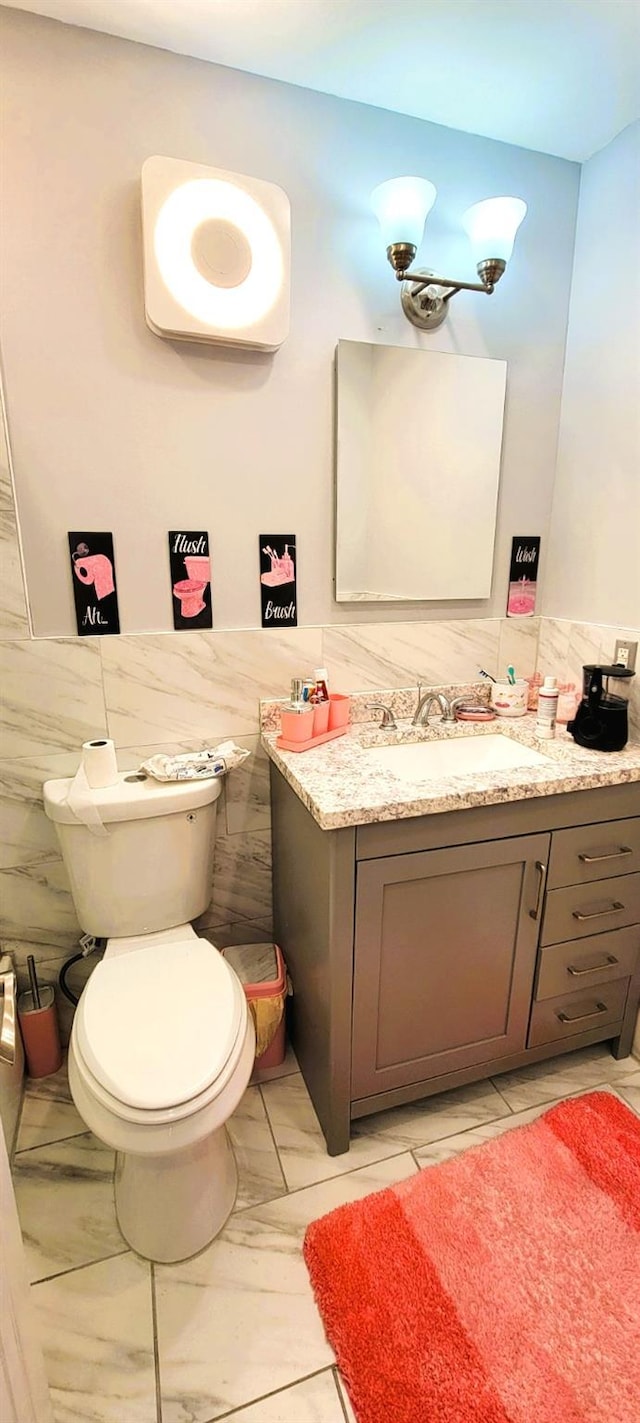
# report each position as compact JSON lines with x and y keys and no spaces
{"x":90,"y":945}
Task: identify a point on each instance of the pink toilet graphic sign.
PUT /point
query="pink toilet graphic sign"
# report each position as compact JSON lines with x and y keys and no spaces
{"x":94,"y":584}
{"x":523,"y":576}
{"x":190,"y":579}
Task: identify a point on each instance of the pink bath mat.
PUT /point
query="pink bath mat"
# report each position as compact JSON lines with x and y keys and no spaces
{"x":500,"y":1287}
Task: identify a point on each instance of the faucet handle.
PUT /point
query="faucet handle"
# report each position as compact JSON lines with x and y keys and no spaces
{"x":388,"y":722}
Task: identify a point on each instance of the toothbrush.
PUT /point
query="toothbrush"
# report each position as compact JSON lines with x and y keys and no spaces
{"x":486,"y":674}
{"x":511,"y":674}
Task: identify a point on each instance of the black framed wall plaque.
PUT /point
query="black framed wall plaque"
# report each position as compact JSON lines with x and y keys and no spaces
{"x":93,"y":573}
{"x":278,"y":580}
{"x":190,"y":579}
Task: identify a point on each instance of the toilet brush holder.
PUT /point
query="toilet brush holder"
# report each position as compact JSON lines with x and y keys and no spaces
{"x":39,"y":1028}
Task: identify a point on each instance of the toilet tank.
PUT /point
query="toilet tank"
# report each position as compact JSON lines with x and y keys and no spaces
{"x":151,"y":866}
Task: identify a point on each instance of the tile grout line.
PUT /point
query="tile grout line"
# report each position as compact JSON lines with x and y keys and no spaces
{"x":156,"y":1345}
{"x":339,"y":1392}
{"x":86,"y":1265}
{"x":500,"y":1094}
{"x":324,"y":1180}
{"x":273,"y":1393}
{"x":275,"y":1144}
{"x":51,"y":1141}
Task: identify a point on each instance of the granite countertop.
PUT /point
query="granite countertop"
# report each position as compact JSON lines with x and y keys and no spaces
{"x":340,"y":784}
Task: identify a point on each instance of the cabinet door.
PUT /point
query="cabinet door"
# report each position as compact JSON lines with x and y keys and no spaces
{"x":445,"y":951}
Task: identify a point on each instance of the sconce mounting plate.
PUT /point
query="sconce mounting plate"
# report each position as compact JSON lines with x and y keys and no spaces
{"x":425,"y":306}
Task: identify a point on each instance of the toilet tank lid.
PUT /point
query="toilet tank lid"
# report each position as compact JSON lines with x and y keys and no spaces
{"x":133,"y":798}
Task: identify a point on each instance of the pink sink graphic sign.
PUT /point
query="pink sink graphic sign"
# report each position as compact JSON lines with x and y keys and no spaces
{"x":190,"y":579}
{"x":523,"y":576}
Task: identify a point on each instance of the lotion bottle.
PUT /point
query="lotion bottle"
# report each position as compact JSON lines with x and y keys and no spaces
{"x":547,"y":709}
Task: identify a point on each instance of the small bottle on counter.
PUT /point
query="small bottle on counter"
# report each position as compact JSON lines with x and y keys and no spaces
{"x":547,"y":709}
{"x":321,"y":693}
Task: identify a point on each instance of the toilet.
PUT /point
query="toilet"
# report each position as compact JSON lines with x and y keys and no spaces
{"x":162,"y":1045}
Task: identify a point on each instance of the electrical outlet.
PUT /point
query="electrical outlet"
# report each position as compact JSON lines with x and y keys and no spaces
{"x":625,"y":654}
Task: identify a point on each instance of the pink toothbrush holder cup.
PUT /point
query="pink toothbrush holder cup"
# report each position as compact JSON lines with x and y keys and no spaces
{"x":297,"y":726}
{"x":339,"y":708}
{"x":39,"y":1028}
{"x":321,"y":718}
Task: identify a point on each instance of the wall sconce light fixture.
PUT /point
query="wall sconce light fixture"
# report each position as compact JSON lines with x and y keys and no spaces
{"x":402,"y":205}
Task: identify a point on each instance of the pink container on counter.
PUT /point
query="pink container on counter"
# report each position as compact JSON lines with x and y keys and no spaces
{"x":339,"y":708}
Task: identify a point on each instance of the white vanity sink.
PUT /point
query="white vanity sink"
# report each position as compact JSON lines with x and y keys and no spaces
{"x":461,"y":756}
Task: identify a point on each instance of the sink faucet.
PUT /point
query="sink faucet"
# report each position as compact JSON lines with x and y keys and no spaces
{"x":421,"y":714}
{"x":448,"y":708}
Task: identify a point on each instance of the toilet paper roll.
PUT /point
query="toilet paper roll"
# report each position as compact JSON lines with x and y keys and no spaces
{"x":96,"y":569}
{"x":100,"y":764}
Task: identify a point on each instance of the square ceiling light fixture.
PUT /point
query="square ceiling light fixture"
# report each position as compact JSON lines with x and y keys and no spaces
{"x":217,"y":255}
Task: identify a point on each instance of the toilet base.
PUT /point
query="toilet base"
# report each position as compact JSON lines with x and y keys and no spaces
{"x":171,"y":1207}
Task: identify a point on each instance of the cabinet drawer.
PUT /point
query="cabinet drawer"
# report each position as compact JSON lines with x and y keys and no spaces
{"x":591,"y":908}
{"x":561,"y":1017}
{"x":587,"y":963}
{"x":594,"y":852}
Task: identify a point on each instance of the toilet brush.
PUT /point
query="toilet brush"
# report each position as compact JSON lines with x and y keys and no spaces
{"x":33,"y":979}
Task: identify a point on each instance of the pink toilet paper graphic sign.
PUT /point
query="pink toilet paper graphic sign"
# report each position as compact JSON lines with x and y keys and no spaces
{"x":190,"y":579}
{"x":95,"y":594}
{"x":523,"y":576}
{"x":278,"y":580}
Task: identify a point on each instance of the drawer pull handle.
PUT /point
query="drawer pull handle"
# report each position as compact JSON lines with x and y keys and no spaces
{"x":615,"y":855}
{"x":565,"y":1018}
{"x":614,"y":908}
{"x":542,"y":873}
{"x":597,"y":968}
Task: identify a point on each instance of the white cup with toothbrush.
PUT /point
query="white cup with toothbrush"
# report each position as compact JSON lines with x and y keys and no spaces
{"x":509,"y":696}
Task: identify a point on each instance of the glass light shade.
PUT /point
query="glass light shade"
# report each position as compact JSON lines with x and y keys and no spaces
{"x":491,"y":227}
{"x":401,"y":206}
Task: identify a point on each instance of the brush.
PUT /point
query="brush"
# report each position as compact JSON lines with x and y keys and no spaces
{"x":33,"y":979}
{"x":486,"y":674}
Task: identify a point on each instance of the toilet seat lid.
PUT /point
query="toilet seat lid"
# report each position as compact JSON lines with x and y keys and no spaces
{"x":157,"y":1026}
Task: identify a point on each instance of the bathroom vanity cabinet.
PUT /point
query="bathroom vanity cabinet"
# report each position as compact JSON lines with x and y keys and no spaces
{"x":430,"y":952}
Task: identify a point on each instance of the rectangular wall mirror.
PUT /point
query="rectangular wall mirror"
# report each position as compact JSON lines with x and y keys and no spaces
{"x":419,"y":436}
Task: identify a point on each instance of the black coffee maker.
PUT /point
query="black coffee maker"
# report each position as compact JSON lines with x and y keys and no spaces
{"x":601,"y":721}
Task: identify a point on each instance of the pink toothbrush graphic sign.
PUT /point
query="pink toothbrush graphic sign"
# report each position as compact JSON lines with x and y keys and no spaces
{"x":190,"y":579}
{"x":278,"y":585}
{"x":93,"y":574}
{"x":523,"y":576}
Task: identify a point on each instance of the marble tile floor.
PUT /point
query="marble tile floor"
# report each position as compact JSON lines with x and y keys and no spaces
{"x":233,"y":1333}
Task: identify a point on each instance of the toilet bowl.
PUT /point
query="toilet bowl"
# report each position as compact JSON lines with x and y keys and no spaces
{"x":158,"y":1086}
{"x":162,"y":1045}
{"x":189,"y":594}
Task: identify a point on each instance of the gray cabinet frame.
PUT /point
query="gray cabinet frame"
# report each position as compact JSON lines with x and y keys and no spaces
{"x":314,"y":879}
